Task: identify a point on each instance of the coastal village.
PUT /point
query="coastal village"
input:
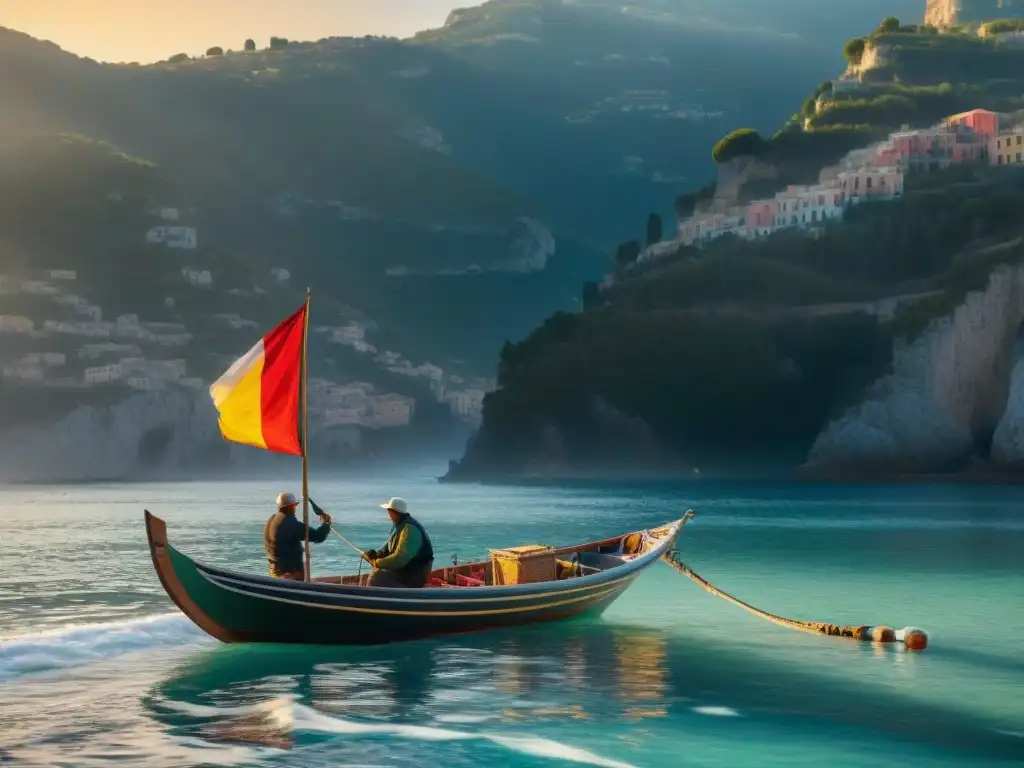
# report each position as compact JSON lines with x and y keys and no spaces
{"x":61,"y":341}
{"x":872,"y":173}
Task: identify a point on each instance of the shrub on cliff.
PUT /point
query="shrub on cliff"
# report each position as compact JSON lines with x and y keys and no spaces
{"x":854,"y":51}
{"x":742,"y":141}
{"x":889,"y":24}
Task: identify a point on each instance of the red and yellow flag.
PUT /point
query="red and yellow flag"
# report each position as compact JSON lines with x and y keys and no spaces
{"x":258,"y":397}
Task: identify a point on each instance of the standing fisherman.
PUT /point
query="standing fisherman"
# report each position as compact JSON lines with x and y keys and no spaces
{"x":283,"y":537}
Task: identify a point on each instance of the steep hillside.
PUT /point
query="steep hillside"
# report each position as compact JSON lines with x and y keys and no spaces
{"x":741,"y":354}
{"x":952,"y":12}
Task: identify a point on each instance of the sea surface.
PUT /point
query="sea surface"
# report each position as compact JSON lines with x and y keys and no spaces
{"x":97,"y":667}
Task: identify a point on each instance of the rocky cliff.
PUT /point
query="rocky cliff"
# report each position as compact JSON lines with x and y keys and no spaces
{"x":156,"y":434}
{"x":948,"y":12}
{"x":948,"y":389}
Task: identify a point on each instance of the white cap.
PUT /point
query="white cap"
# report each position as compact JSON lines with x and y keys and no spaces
{"x":286,"y":500}
{"x":396,"y":504}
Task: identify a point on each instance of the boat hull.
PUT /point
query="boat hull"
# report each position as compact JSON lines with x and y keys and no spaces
{"x":236,"y":607}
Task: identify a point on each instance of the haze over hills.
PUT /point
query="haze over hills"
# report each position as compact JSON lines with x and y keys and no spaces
{"x":846,"y":295}
{"x":444,"y":193}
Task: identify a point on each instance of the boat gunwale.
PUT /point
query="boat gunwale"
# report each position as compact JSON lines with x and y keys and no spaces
{"x":452,"y":593}
{"x":434,"y":602}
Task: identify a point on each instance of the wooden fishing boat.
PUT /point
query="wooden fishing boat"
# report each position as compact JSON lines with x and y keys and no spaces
{"x":515,"y":587}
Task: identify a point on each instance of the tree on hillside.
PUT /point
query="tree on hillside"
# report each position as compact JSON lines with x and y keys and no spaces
{"x":854,"y":50}
{"x":626,"y":254}
{"x":178,"y":58}
{"x":654,"y":231}
{"x":889,"y":24}
{"x":215,"y":51}
{"x":250,"y":45}
{"x":278,"y":43}
{"x":742,"y":141}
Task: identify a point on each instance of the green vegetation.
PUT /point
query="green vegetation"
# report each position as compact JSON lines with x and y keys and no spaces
{"x":752,"y":346}
{"x":742,"y":141}
{"x":215,"y":51}
{"x":854,"y":50}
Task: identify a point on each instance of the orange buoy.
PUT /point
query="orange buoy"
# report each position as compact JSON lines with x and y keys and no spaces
{"x":915,"y":639}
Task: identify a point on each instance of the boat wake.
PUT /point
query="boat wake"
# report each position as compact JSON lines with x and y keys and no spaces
{"x":290,"y":717}
{"x":75,"y":645}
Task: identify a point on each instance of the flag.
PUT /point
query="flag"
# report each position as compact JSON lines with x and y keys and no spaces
{"x":257,"y":398}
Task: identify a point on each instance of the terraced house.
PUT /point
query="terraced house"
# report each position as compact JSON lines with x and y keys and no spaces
{"x":871,"y":173}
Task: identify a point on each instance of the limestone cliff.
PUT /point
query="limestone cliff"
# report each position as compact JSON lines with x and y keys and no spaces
{"x":946,"y":393}
{"x":948,"y":12}
{"x":147,"y":435}
{"x":1008,"y":440}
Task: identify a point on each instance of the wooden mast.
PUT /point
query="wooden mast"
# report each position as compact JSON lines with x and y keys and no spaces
{"x":305,"y":432}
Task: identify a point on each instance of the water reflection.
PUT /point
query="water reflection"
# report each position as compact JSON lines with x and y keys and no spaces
{"x":245,"y":694}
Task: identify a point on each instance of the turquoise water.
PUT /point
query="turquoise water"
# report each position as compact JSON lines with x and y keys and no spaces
{"x":98,"y":668}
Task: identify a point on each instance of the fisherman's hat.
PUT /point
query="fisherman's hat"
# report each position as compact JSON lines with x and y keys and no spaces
{"x":397,"y":504}
{"x":286,"y":500}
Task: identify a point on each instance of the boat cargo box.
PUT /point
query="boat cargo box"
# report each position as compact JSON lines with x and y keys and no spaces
{"x":528,"y":564}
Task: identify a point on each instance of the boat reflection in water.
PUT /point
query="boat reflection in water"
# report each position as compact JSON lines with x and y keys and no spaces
{"x":265,"y":695}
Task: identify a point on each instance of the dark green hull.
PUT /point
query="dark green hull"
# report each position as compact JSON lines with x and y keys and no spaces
{"x":236,"y":607}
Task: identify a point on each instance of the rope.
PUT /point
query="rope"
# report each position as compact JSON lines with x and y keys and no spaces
{"x":914,"y":639}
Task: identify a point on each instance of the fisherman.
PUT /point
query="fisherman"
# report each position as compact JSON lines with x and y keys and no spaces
{"x":408,"y":557}
{"x":283,"y":538}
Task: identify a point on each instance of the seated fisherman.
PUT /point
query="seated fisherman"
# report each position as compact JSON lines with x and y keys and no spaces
{"x":408,"y":557}
{"x":284,"y":537}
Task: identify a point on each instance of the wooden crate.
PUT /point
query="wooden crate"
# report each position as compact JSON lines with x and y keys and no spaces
{"x":523,"y":565}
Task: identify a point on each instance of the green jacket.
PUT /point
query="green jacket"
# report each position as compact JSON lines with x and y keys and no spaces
{"x":405,"y":543}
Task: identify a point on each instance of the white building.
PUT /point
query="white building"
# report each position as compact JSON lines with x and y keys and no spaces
{"x":234,"y":321}
{"x":200,"y":278}
{"x":93,"y":351}
{"x":334,"y":417}
{"x":48,"y":359}
{"x":392,"y":411}
{"x":23,"y":372}
{"x":166,"y":213}
{"x":38,"y":288}
{"x":16,"y":324}
{"x":62,"y":274}
{"x":91,"y":328}
{"x":103,"y":374}
{"x":467,"y":404}
{"x":173,"y":237}
{"x":145,"y":384}
{"x":90,"y":311}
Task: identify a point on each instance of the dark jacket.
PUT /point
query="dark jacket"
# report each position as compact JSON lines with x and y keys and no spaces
{"x":283,"y":538}
{"x":408,"y":550}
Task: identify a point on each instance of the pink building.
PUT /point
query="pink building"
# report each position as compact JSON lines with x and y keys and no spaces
{"x":761,"y":217}
{"x":981,"y":122}
{"x":871,"y":183}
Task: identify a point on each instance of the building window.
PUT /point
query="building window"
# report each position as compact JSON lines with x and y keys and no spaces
{"x":868,"y":185}
{"x":1018,"y":157}
{"x":814,"y":215}
{"x":1019,"y":139}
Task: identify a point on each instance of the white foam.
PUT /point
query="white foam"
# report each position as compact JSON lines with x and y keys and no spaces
{"x":309,"y":719}
{"x":463,"y":719}
{"x":74,"y":645}
{"x":717,"y":711}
